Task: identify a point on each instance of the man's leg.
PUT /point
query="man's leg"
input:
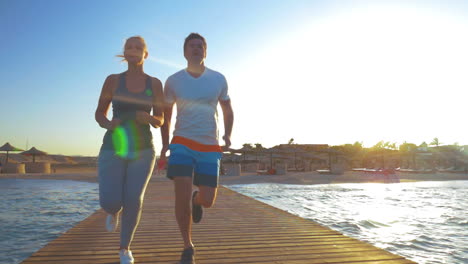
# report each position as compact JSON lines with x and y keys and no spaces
{"x":183,"y":210}
{"x":180,"y":170}
{"x":206,"y":177}
{"x":206,"y":196}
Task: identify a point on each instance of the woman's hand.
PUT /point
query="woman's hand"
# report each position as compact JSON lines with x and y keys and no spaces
{"x":113,"y":124}
{"x":143,"y":117}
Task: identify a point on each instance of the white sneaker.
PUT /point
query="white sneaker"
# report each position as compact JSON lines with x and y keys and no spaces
{"x":112,"y":221}
{"x":126,"y":256}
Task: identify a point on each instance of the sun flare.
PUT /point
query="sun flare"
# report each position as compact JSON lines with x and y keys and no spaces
{"x":387,"y":73}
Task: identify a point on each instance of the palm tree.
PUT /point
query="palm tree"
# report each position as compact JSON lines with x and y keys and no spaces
{"x":435,"y":142}
{"x":258,"y":147}
{"x":247,"y":146}
{"x":406,"y":150}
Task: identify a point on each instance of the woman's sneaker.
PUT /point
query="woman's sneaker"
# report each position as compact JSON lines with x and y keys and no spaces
{"x":112,"y":221}
{"x":126,"y":256}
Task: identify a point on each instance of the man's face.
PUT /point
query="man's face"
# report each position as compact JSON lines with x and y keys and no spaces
{"x":195,"y":51}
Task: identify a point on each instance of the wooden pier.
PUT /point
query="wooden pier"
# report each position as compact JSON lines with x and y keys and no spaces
{"x":238,"y":229}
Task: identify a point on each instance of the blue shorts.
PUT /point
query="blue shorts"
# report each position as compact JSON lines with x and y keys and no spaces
{"x":202,"y":166}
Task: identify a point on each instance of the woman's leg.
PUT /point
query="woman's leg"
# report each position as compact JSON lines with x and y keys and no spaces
{"x":138,"y":174}
{"x":111,"y":174}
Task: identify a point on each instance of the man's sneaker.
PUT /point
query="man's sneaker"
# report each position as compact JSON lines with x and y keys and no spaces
{"x":188,"y":256}
{"x":197,"y":210}
{"x":112,"y":221}
{"x":126,"y":256}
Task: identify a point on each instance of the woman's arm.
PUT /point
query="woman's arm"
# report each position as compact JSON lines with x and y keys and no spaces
{"x":157,"y":119}
{"x":104,"y":102}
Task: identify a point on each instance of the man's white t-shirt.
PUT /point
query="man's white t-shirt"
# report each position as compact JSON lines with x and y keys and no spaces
{"x":197,"y":101}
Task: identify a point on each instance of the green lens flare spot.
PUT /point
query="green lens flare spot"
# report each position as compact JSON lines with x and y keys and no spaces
{"x":148,"y":92}
{"x":120,"y":141}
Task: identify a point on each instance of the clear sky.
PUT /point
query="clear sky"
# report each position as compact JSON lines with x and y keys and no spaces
{"x":321,"y":72}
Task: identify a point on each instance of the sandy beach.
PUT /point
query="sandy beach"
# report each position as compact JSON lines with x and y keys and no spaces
{"x":305,"y":178}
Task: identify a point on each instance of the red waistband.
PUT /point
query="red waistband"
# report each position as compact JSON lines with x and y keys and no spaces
{"x":193,"y":145}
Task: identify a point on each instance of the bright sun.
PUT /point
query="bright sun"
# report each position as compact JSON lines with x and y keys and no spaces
{"x":369,"y":74}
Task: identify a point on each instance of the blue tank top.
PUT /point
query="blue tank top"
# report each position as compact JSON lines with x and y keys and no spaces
{"x":130,"y":137}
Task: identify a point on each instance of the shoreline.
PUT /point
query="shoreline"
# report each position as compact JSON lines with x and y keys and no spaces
{"x":300,"y":178}
{"x":77,"y":176}
{"x":309,"y":178}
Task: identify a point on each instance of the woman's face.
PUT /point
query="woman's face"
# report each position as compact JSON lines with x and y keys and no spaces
{"x":135,"y":51}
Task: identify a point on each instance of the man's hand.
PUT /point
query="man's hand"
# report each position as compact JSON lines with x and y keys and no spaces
{"x":227,"y":142}
{"x":164,"y":149}
{"x":161,"y":164}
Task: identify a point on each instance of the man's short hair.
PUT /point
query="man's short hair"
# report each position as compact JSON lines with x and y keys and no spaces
{"x":195,"y":36}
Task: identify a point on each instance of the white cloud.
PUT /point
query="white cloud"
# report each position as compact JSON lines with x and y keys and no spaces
{"x":166,"y":63}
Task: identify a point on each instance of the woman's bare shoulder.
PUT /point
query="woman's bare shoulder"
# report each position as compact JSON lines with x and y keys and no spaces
{"x":111,"y":82}
{"x":156,"y":83}
{"x":113,"y":78}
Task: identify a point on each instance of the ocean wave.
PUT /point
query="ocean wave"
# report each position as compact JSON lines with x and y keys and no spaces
{"x":370,"y":224}
{"x":45,"y":208}
{"x":422,"y":221}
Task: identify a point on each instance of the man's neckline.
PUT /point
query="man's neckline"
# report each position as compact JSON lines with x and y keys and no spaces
{"x":198,"y":77}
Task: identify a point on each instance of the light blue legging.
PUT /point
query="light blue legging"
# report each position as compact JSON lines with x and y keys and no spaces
{"x":122,"y":185}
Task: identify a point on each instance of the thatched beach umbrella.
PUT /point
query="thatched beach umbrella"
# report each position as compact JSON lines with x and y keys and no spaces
{"x":7,"y":147}
{"x":34,"y":152}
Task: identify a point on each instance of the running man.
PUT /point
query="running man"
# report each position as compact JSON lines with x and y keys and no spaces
{"x":195,"y":150}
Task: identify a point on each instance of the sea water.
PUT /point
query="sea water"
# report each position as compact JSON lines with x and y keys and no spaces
{"x":426,"y":222}
{"x":34,"y":212}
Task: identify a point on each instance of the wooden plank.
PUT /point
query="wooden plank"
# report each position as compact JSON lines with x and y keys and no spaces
{"x":238,"y":229}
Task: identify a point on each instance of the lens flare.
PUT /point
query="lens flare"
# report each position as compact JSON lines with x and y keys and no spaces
{"x":148,"y":92}
{"x":120,"y":141}
{"x":126,"y":140}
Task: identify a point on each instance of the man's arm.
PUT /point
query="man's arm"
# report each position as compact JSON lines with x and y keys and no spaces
{"x":228,"y":115}
{"x":158,"y":104}
{"x":165,"y":128}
